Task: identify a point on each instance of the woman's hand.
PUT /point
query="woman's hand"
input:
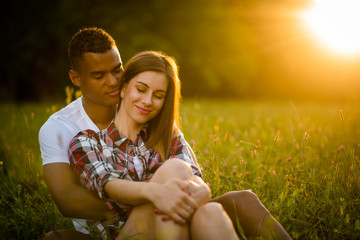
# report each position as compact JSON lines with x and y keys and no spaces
{"x":173,"y":200}
{"x":199,"y":191}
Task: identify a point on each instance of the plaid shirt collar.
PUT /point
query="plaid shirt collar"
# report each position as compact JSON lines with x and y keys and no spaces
{"x":118,"y":139}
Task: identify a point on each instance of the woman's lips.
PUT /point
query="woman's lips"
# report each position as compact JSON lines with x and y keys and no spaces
{"x":143,"y":110}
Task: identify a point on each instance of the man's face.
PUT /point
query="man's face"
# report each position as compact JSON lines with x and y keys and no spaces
{"x":99,"y":77}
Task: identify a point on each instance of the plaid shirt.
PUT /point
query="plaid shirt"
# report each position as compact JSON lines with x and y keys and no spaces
{"x":98,"y":157}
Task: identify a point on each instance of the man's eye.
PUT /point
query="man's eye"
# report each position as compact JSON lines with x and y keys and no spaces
{"x":100,"y":76}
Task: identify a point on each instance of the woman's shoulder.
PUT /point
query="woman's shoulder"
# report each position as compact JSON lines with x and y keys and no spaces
{"x":86,"y":135}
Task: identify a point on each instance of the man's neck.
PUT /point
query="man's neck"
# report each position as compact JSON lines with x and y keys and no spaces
{"x":100,"y":115}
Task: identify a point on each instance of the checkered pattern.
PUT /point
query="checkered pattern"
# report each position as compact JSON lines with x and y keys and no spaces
{"x":98,"y":157}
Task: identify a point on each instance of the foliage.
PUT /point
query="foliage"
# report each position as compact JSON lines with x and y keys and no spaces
{"x":301,"y":159}
{"x":224,"y":47}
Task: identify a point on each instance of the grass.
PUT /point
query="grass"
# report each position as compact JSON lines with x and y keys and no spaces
{"x":300,"y":158}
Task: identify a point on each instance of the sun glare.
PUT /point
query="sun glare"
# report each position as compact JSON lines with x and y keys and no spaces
{"x":336,"y":23}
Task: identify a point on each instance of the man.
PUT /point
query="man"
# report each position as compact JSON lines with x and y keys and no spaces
{"x":96,"y":69}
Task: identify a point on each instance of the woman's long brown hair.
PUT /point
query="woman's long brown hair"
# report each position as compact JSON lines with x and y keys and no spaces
{"x":162,"y":127}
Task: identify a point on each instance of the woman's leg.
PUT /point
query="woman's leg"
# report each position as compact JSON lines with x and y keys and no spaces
{"x":254,"y":218}
{"x":173,"y":168}
{"x":144,"y":223}
{"x":210,"y":221}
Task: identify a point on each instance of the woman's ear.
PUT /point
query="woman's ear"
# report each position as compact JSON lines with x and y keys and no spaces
{"x":75,"y":78}
{"x":123,"y":89}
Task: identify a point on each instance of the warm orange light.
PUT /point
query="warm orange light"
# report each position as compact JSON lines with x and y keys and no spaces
{"x":336,"y":23}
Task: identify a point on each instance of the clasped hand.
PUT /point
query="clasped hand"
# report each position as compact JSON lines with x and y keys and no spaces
{"x":178,"y":199}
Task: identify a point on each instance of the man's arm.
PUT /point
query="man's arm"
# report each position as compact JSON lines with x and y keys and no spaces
{"x":72,"y":199}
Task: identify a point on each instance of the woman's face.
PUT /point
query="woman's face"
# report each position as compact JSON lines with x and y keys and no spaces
{"x":144,"y":96}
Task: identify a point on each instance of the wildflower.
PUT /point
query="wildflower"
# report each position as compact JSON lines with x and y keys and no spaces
{"x":78,"y":93}
{"x":341,"y":115}
{"x":1,"y":163}
{"x":306,"y":135}
{"x":341,"y":148}
{"x":206,"y":152}
{"x":288,"y":159}
{"x":192,"y":143}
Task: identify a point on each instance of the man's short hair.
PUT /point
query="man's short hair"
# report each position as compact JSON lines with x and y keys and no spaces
{"x":93,"y":39}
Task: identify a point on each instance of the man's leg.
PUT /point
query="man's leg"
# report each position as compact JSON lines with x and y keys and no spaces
{"x":245,"y":207}
{"x":66,"y":234}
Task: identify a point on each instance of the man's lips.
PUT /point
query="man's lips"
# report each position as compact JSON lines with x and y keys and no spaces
{"x":113,"y":93}
{"x":143,"y":110}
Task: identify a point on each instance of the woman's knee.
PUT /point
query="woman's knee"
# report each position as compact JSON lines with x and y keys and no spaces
{"x":210,"y":210}
{"x":173,"y":168}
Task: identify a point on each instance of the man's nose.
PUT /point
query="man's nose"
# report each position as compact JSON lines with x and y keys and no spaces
{"x":112,"y":80}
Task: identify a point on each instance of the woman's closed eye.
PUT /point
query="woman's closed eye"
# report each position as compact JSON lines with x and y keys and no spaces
{"x":159,"y":96}
{"x":141,"y":90}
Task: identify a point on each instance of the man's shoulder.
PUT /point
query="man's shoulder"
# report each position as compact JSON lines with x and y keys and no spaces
{"x":68,"y":114}
{"x":68,"y":119}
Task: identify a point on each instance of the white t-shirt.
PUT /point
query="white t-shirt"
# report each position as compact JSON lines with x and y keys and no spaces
{"x":56,"y":134}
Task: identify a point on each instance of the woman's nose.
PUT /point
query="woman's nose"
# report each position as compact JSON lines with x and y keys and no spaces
{"x":147,"y":99}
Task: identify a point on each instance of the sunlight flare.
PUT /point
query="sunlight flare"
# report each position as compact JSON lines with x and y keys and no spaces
{"x":336,"y":24}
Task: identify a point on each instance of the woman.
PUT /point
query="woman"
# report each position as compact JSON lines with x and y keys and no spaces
{"x":125,"y":164}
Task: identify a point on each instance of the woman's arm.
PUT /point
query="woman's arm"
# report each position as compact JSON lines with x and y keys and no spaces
{"x":163,"y":196}
{"x":110,"y":180}
{"x":182,"y":150}
{"x":200,"y":191}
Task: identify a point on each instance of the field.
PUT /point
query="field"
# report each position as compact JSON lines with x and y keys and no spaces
{"x":300,"y":158}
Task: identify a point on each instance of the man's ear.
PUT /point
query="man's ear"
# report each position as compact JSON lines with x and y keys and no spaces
{"x":75,"y":78}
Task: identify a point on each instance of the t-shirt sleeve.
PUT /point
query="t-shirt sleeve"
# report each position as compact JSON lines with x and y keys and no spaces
{"x":54,"y":140}
{"x":182,"y":150}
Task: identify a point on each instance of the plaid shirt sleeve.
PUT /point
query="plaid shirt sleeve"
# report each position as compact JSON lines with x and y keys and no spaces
{"x":182,"y":150}
{"x":90,"y":162}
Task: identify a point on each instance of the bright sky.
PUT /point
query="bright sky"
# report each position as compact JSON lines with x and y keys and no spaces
{"x":336,"y":23}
